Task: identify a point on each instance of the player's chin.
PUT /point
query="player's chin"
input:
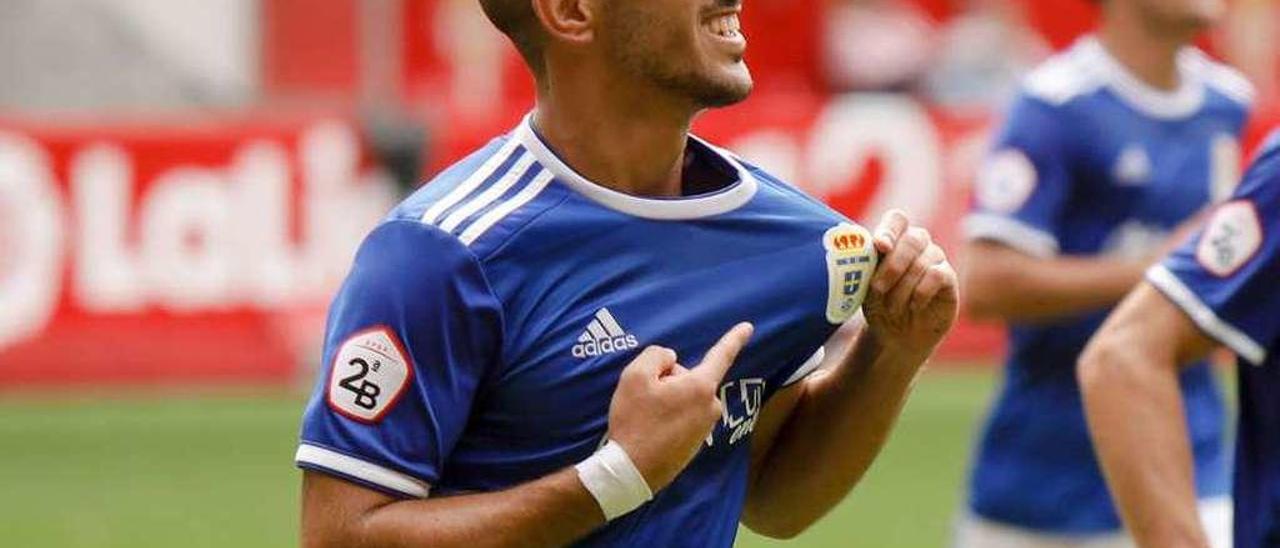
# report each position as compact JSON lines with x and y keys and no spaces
{"x":728,"y":87}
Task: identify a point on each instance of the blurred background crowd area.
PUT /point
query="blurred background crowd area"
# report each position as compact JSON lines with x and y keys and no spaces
{"x":184,"y":181}
{"x":101,"y":56}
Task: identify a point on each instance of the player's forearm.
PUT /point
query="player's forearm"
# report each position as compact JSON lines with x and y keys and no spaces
{"x":552,"y":511}
{"x":834,"y":433}
{"x":1136,"y":417}
{"x":1010,"y":286}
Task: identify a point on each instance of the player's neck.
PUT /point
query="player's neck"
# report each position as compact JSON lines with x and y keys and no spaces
{"x":618,"y":138}
{"x":1149,"y":54}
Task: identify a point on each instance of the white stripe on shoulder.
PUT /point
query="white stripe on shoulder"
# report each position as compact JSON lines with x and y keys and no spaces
{"x":1064,"y":77}
{"x":472,"y":181}
{"x":361,"y":470}
{"x":1204,"y":317}
{"x":526,"y":194}
{"x":1221,"y":77}
{"x":489,"y":195}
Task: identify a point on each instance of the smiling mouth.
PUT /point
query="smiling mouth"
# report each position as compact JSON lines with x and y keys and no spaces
{"x":724,"y":26}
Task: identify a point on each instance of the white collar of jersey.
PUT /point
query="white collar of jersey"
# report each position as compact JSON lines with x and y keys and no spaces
{"x":663,"y":209}
{"x":1179,"y":103}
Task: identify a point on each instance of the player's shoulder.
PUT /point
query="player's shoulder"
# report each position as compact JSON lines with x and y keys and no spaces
{"x":1066,"y":76}
{"x":480,"y":163}
{"x":1220,"y":79}
{"x":484,"y":199}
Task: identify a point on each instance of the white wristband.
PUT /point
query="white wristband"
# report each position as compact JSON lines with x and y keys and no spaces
{"x":613,"y":480}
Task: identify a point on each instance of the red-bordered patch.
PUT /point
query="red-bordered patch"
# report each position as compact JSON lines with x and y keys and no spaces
{"x":369,"y":374}
{"x":1231,"y":239}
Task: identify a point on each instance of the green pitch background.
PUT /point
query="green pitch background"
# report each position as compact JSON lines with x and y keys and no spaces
{"x":215,"y":470}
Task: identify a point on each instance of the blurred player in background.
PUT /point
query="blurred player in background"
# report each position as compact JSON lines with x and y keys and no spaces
{"x":493,"y":374}
{"x":1111,"y":148}
{"x":1221,"y":288}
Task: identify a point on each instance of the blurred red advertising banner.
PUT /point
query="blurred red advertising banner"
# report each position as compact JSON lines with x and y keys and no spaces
{"x":206,"y":252}
{"x":174,"y":252}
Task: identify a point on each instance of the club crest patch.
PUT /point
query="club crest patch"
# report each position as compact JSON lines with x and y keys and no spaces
{"x":851,"y":260}
{"x":1232,"y":237}
{"x":371,"y":370}
{"x":1006,"y":181}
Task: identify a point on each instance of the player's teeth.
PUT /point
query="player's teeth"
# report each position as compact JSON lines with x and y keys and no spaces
{"x":727,"y":26}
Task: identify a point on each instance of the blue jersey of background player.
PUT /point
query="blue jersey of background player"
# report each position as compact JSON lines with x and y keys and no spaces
{"x":1221,"y":288}
{"x":523,"y":351}
{"x":1092,"y":173}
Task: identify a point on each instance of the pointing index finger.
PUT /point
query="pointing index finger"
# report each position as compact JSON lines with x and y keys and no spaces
{"x":721,"y":356}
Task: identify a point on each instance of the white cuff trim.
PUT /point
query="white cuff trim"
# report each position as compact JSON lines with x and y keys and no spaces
{"x":361,"y":470}
{"x":809,"y":366}
{"x":1204,"y":317}
{"x":1011,"y":232}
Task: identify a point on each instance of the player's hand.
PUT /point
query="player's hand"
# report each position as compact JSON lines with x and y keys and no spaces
{"x":914,"y":293}
{"x":661,"y":411}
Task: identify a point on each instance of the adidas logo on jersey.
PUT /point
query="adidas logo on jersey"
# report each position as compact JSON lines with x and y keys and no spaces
{"x":603,"y":336}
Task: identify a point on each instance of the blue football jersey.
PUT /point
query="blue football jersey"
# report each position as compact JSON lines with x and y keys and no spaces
{"x":1227,"y":280}
{"x":478,"y":339}
{"x":1091,"y":162}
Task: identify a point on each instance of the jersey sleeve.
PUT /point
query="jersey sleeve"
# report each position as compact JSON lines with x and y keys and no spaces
{"x":1224,"y":278}
{"x":410,"y":337}
{"x":1025,"y":182}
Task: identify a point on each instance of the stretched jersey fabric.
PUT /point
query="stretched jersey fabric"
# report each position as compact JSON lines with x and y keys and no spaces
{"x":1227,"y":280}
{"x":478,"y":339}
{"x":1091,"y":162}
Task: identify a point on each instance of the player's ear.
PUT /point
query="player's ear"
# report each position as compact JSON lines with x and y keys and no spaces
{"x":568,"y":20}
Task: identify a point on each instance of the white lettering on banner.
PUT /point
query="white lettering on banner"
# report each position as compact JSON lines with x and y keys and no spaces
{"x":186,"y":233}
{"x":338,"y":214}
{"x":849,"y":132}
{"x":260,"y":174}
{"x":106,"y":276}
{"x":207,"y":239}
{"x":775,"y":151}
{"x":855,"y":128}
{"x":31,"y":224}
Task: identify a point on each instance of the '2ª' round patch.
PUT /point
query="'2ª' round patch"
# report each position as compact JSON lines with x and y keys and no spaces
{"x":1232,"y":237}
{"x":370,"y":372}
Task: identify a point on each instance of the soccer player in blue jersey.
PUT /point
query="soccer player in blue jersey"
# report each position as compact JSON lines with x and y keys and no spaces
{"x":1109,"y":152}
{"x":525,"y":352}
{"x":1221,"y":288}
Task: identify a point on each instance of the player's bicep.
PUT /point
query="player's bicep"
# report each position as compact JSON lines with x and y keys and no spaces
{"x":332,"y":508}
{"x":1147,"y":323}
{"x":777,"y":411}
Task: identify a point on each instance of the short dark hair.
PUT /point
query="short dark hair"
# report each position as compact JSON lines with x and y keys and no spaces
{"x":517,"y":20}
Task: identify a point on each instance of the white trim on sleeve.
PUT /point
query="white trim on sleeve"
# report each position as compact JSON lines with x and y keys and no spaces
{"x":1011,"y":232}
{"x":809,"y":366}
{"x":361,"y":470}
{"x":1204,"y":317}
